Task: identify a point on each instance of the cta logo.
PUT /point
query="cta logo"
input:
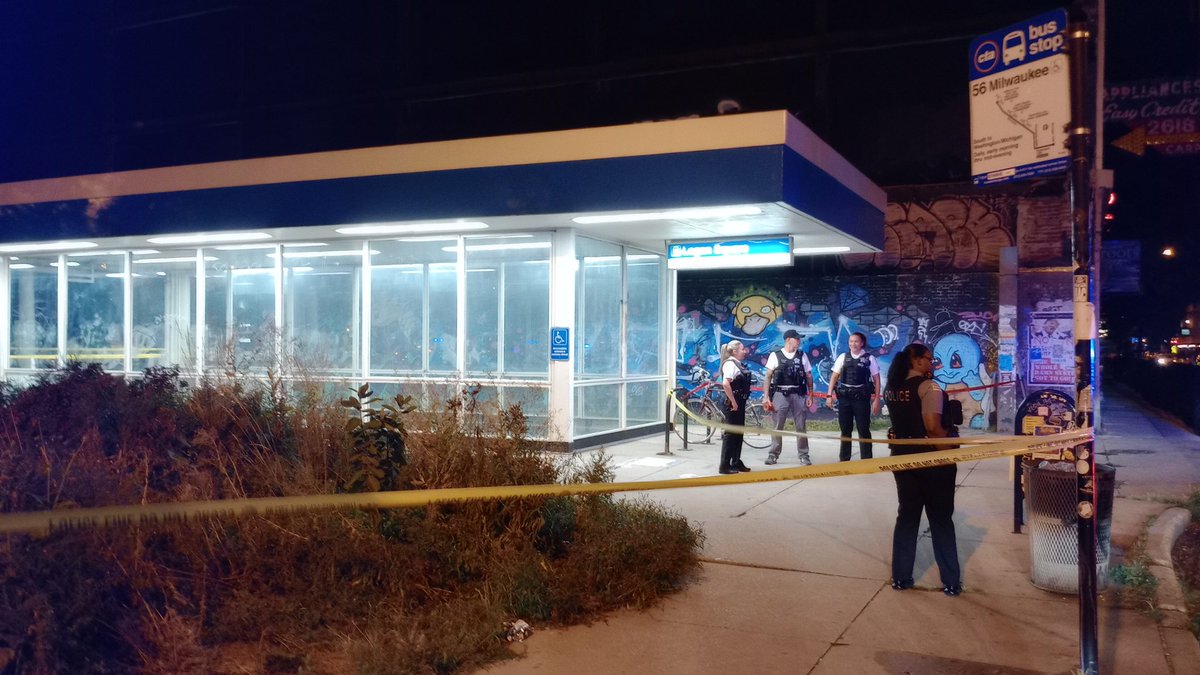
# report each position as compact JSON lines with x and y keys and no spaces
{"x":986,"y":56}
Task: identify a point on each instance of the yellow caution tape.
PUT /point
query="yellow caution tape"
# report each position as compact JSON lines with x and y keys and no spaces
{"x":43,"y":521}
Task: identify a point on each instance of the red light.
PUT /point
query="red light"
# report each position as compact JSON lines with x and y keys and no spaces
{"x":1112,"y":198}
{"x":1109,"y":216}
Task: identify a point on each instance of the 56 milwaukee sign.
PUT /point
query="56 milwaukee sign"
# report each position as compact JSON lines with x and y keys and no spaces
{"x":1020,"y":100}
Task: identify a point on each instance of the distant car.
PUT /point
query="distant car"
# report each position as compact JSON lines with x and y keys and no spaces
{"x":1013,"y":47}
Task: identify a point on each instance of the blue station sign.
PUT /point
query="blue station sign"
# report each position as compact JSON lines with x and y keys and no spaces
{"x":692,"y":255}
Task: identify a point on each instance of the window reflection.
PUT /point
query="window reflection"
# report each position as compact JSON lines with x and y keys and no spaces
{"x":33,"y":313}
{"x":96,"y":309}
{"x":414,"y":306}
{"x":322,"y":311}
{"x":239,"y":309}
{"x":164,"y":309}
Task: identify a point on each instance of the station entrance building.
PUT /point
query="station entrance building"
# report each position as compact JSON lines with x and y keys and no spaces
{"x":534,"y":265}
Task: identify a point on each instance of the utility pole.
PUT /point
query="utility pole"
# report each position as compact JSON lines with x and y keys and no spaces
{"x":1080,"y":136}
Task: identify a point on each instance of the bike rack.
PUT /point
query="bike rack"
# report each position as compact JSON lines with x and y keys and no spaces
{"x":667,"y":436}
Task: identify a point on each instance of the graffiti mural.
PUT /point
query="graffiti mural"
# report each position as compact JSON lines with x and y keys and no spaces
{"x":951,"y":313}
{"x":946,"y":234}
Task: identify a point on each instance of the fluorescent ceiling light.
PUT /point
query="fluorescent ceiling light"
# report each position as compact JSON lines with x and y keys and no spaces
{"x":680,"y":214}
{"x":85,"y":254}
{"x":207,"y":238}
{"x":20,"y":266}
{"x":187,"y":259}
{"x":401,"y":228}
{"x":70,"y":263}
{"x":47,"y":246}
{"x":322,"y":254}
{"x":500,"y":247}
{"x":820,"y":249}
{"x":121,"y":275}
{"x":250,"y":247}
{"x":429,"y":238}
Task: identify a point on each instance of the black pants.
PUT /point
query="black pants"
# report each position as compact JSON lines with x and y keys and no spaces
{"x":731,"y":444}
{"x":930,"y":489}
{"x":857,"y":412}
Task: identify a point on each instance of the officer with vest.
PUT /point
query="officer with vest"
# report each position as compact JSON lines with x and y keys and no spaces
{"x":915,"y":404}
{"x":735,"y":380}
{"x":854,"y":382}
{"x":789,"y":394}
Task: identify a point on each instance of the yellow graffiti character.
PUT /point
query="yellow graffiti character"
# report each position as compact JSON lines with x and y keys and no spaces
{"x":753,"y":313}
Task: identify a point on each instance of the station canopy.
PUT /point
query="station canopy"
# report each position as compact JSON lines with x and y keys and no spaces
{"x":744,"y":176}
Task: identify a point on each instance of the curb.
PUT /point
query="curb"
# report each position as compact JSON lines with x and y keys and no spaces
{"x":1180,"y":646}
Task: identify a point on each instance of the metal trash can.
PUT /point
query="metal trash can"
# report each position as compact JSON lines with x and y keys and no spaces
{"x":1050,"y":502}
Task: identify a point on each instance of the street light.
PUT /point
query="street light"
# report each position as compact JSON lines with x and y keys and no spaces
{"x":1168,"y":252}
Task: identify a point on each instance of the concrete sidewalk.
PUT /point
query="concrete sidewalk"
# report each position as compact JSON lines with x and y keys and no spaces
{"x":796,"y":573}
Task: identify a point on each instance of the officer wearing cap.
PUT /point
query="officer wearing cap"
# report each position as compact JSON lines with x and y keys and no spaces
{"x":788,"y":384}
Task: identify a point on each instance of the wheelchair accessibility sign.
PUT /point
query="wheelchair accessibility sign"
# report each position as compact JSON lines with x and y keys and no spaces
{"x":1020,"y":100}
{"x":560,"y":343}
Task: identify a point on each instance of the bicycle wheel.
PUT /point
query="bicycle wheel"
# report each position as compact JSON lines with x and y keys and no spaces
{"x":696,"y":432}
{"x":757,"y":421}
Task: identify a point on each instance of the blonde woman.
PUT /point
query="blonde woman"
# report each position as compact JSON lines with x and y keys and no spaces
{"x":735,"y":380}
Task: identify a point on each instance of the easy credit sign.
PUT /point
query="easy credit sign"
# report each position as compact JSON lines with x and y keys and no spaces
{"x":1020,"y":100}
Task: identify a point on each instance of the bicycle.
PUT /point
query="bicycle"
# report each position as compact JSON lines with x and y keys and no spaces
{"x":758,"y":418}
{"x":700,"y":403}
{"x":705,"y":407}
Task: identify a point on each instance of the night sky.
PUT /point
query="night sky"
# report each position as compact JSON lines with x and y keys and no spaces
{"x":104,"y":85}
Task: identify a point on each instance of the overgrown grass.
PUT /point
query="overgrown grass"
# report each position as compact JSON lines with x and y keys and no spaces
{"x":399,"y":591}
{"x":1190,"y":592}
{"x":1137,"y":585}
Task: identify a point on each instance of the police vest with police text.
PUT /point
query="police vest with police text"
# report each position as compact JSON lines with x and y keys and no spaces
{"x":904,"y":407}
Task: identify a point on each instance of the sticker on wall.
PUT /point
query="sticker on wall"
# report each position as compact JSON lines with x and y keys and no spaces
{"x":1046,"y":412}
{"x":1051,"y":348}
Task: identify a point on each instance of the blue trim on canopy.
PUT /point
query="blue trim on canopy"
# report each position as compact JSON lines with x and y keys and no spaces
{"x":812,"y":191}
{"x":704,"y":178}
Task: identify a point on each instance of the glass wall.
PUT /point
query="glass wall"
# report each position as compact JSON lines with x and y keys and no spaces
{"x":33,"y":311}
{"x":618,"y":338}
{"x":508,"y":306}
{"x":96,"y":302}
{"x":597,"y":309}
{"x":322,"y":291}
{"x":414,"y":306}
{"x":164,"y":309}
{"x":239,"y":308}
{"x":419,"y":314}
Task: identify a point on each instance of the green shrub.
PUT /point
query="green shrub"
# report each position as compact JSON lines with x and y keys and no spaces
{"x":415,"y":590}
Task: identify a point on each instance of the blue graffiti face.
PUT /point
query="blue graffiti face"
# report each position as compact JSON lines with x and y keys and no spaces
{"x":956,"y":357}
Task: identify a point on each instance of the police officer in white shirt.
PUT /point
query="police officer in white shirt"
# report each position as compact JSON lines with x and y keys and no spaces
{"x":855,"y":386}
{"x":788,"y":384}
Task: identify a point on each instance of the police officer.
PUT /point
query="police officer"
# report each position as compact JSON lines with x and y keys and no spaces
{"x":855,"y":380}
{"x":735,"y":380}
{"x":915,"y":404}
{"x":789,"y":394}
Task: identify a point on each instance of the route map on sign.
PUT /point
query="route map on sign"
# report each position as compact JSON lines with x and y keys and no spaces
{"x":1020,"y":100}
